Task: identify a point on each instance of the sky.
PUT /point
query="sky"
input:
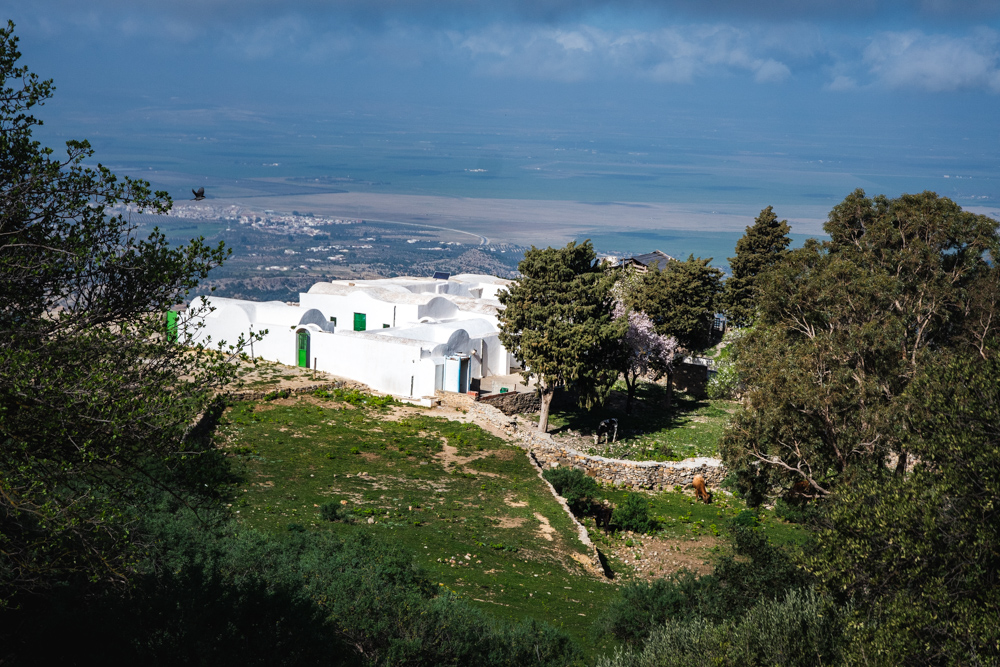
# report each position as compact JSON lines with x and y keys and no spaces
{"x":876,"y":85}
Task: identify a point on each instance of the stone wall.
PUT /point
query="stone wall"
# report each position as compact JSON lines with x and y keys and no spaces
{"x":514,"y":403}
{"x":691,"y":379}
{"x":285,"y":392}
{"x":653,"y":475}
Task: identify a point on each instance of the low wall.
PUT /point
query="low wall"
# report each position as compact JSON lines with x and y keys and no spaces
{"x":654,"y":475}
{"x":514,"y":403}
{"x":691,"y":379}
{"x":275,"y":392}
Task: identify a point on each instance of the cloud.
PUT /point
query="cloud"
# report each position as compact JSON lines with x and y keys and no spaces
{"x":841,"y":83}
{"x":936,"y":63}
{"x":668,"y":55}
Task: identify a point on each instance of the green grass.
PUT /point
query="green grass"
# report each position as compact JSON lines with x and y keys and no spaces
{"x":681,"y":516}
{"x":295,"y":455}
{"x":689,"y":427}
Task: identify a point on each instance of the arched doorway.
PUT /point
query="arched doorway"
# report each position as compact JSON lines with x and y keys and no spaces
{"x":302,"y":347}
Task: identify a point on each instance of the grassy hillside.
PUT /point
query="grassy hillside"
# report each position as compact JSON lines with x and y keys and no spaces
{"x":469,"y":506}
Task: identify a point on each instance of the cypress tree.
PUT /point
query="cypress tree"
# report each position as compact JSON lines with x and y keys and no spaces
{"x":763,"y":244}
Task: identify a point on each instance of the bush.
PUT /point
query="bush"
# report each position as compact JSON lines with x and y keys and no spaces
{"x":573,"y":485}
{"x":633,"y":514}
{"x":235,"y":596}
{"x":725,"y":381}
{"x":745,"y":519}
{"x":801,"y":628}
{"x":642,"y":607}
{"x":794,"y":512}
{"x":335,"y":512}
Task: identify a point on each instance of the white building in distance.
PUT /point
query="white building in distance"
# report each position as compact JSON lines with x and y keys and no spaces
{"x":401,"y":336}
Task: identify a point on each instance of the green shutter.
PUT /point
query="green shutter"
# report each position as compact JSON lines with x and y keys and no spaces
{"x":360,"y":322}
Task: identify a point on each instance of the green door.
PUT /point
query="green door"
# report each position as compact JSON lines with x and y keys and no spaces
{"x":303,"y":349}
{"x":360,"y":322}
{"x":172,"y":326}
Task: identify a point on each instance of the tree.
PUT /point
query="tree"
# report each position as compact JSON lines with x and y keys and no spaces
{"x":845,"y":326}
{"x":681,"y":300}
{"x":763,"y":244}
{"x":96,"y":400}
{"x":645,"y":351}
{"x":557,"y":322}
{"x":919,"y":555}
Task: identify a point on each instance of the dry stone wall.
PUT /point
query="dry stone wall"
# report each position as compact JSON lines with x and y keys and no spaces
{"x":266,"y":394}
{"x":514,"y":402}
{"x":653,"y":475}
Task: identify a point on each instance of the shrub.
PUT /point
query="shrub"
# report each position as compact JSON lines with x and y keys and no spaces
{"x":335,"y":512}
{"x":794,"y":512}
{"x":745,"y":519}
{"x":642,"y":607}
{"x":573,"y":485}
{"x":633,"y":514}
{"x":801,"y":628}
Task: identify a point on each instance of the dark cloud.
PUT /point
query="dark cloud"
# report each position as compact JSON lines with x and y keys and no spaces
{"x":369,"y":12}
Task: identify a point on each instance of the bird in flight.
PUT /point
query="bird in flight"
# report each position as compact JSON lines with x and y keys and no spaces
{"x":199,"y":194}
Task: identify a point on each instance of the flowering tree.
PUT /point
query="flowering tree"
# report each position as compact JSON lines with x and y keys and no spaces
{"x":646,"y":352}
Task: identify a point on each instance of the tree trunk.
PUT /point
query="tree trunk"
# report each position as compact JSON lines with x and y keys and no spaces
{"x":629,"y":394}
{"x":543,"y":415}
{"x":901,"y":464}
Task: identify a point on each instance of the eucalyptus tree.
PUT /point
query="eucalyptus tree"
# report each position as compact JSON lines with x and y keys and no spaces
{"x":845,"y":326}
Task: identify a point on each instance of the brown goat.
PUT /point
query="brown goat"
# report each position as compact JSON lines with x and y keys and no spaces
{"x":701,"y":489}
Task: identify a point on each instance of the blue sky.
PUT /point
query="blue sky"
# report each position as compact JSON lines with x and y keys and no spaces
{"x":865,"y":81}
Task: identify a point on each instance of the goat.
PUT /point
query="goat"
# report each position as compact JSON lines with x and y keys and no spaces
{"x":608,"y":429}
{"x":701,"y":490}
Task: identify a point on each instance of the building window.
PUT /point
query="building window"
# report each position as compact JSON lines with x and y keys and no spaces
{"x":334,"y":320}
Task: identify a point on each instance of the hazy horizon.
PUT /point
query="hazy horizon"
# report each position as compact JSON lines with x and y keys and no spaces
{"x":693,"y":105}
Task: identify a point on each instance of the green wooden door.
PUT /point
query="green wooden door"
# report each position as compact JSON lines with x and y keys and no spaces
{"x":172,"y":326}
{"x":303,"y":346}
{"x":360,"y":323}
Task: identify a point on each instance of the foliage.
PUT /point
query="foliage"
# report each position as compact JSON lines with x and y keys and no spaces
{"x":725,"y":382}
{"x":920,"y":555}
{"x":645,"y":352}
{"x":237,"y":596}
{"x":96,"y":401}
{"x":557,"y":322}
{"x":758,"y":569}
{"x":335,"y":512}
{"x":578,"y":489}
{"x":827,"y":368}
{"x":642,"y":607}
{"x":800,"y":628}
{"x":763,"y":245}
{"x":633,"y":514}
{"x":354,"y":397}
{"x":681,"y":300}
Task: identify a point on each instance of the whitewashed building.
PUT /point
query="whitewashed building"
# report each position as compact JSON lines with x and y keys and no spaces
{"x":402,"y":336}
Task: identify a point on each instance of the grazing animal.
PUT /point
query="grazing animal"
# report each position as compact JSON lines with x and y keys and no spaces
{"x":701,"y":490}
{"x":199,"y":194}
{"x":607,"y":429}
